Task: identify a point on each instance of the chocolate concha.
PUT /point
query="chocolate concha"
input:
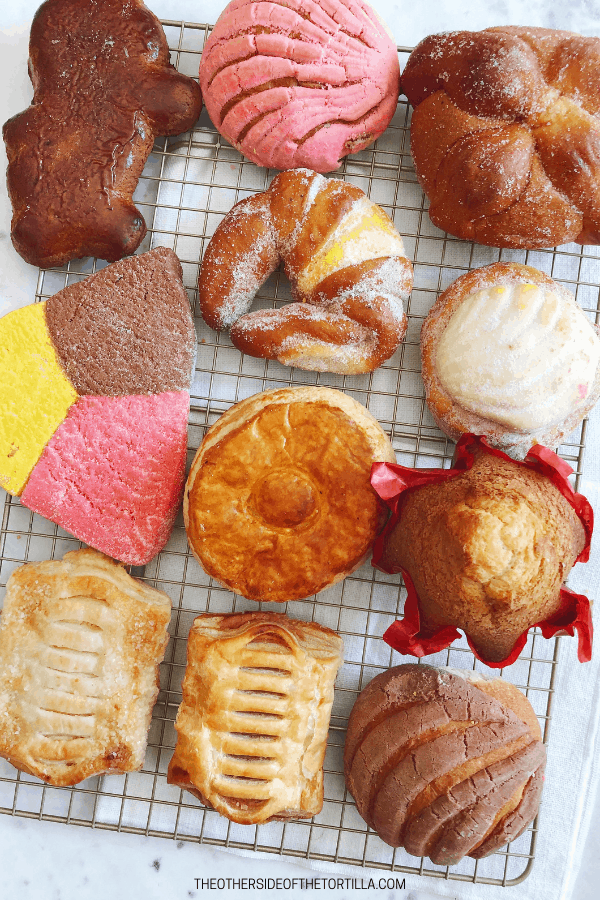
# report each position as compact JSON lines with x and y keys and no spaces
{"x":444,"y":764}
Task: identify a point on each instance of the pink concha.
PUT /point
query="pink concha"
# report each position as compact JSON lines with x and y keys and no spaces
{"x":301,"y":84}
{"x":113,"y":472}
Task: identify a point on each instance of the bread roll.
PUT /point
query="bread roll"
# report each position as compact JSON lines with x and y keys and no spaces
{"x":507,"y":353}
{"x":442,"y":763}
{"x":505,"y":134}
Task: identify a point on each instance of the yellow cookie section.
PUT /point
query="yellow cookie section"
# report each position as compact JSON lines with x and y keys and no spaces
{"x":366,"y":232}
{"x":35,"y":394}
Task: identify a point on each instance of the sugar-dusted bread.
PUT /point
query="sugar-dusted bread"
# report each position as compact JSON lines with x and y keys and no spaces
{"x":80,"y":644}
{"x":302,"y":83}
{"x":103,"y":88}
{"x":505,"y":134}
{"x":278,"y":504}
{"x":507,"y":353}
{"x":443,"y":763}
{"x":347,"y":268}
{"x":252,"y":727}
{"x":94,"y":401}
{"x":487,"y":551}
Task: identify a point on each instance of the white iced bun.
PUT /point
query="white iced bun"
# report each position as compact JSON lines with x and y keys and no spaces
{"x":508,"y":353}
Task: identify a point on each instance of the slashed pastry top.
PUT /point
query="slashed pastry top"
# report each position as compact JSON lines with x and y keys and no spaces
{"x":278,"y":503}
{"x":80,"y":644}
{"x":444,"y":763}
{"x":302,"y":83}
{"x":508,"y":353}
{"x":252,"y":726}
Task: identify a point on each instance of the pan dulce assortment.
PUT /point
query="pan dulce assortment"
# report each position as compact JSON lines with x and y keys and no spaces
{"x":293,"y":489}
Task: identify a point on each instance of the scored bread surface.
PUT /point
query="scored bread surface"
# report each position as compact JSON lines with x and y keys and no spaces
{"x":440,"y":766}
{"x":252,"y":726}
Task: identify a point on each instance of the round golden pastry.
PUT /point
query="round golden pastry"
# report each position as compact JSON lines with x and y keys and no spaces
{"x":508,"y":353}
{"x":278,"y":504}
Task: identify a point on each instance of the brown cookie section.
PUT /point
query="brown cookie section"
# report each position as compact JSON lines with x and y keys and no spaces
{"x":126,"y":330}
{"x":441,"y":767}
{"x":103,"y":88}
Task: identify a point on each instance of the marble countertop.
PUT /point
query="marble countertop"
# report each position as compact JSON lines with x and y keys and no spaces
{"x":58,"y":862}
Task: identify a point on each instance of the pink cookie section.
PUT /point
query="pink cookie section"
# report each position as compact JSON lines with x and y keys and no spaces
{"x":300,"y":84}
{"x":113,"y":473}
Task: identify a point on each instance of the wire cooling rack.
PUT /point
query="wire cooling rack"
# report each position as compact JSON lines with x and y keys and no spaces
{"x":188,"y":184}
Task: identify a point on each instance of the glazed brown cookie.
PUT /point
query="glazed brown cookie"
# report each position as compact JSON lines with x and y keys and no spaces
{"x":103,"y":88}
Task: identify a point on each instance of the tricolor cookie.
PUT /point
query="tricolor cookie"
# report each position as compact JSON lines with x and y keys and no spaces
{"x":94,"y":399}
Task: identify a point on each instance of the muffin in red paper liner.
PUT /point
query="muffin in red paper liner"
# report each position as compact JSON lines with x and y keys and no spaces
{"x":485,"y":547}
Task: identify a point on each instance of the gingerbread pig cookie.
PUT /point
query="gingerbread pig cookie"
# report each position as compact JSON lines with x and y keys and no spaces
{"x":103,"y":88}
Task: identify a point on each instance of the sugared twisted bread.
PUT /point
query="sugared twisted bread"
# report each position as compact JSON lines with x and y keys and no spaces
{"x":444,"y":765}
{"x":344,"y":259}
{"x":506,"y":134}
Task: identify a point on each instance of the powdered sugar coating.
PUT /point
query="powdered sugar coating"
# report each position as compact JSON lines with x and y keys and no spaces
{"x":506,"y":134}
{"x":346,"y":264}
{"x":301,"y":83}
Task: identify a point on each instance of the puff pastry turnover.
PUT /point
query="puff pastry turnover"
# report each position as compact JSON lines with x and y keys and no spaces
{"x":252,"y":727}
{"x":278,"y":504}
{"x":80,"y":644}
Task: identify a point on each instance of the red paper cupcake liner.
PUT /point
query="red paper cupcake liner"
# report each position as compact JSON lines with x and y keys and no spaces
{"x":391,"y":481}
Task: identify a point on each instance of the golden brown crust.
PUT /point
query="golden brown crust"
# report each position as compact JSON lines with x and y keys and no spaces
{"x":440,"y":763}
{"x":345,"y":262}
{"x":80,"y":644}
{"x":104,"y":88}
{"x":252,"y":726}
{"x":513,"y":115}
{"x":452,"y":417}
{"x":278,"y":503}
{"x":488,"y":551}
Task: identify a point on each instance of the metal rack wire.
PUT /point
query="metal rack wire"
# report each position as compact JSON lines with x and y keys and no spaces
{"x":189,"y":182}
